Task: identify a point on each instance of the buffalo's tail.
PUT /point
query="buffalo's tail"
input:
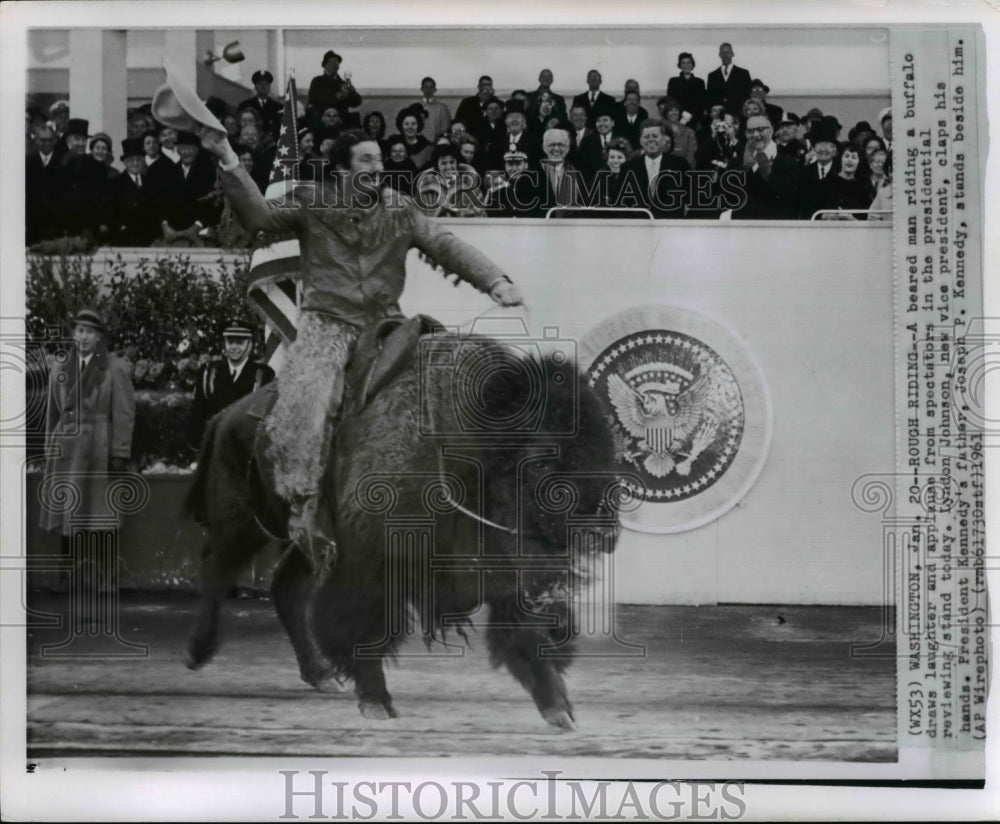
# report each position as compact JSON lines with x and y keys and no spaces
{"x":196,"y":500}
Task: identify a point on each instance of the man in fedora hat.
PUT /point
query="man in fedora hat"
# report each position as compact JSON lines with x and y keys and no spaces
{"x":269,"y":110}
{"x":84,"y":184}
{"x":759,"y":90}
{"x":90,"y":412}
{"x":226,"y":380}
{"x":818,"y":176}
{"x":192,"y":210}
{"x":354,"y":244}
{"x":331,"y":89}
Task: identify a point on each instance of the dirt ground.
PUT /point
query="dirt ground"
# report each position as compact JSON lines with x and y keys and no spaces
{"x":718,"y":682}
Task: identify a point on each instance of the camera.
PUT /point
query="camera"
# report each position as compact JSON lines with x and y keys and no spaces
{"x":498,"y":381}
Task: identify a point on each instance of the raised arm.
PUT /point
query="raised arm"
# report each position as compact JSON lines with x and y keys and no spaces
{"x":255,"y":213}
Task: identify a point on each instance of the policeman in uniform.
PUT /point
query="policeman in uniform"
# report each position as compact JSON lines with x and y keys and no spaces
{"x":226,"y":380}
{"x":270,"y":111}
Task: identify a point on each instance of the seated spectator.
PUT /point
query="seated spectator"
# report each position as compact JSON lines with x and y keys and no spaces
{"x":772,"y":178}
{"x":705,"y":130}
{"x":751,"y":106}
{"x":409,"y":125}
{"x":232,"y":125}
{"x":168,"y":143}
{"x":248,"y":161}
{"x":876,"y":165}
{"x":543,"y":116}
{"x":332,"y":89}
{"x":874,"y":144}
{"x":785,"y":137}
{"x":881,"y":206}
{"x":448,"y":188}
{"x":578,"y":131}
{"x":374,"y":126}
{"x":848,"y":189}
{"x":659,"y":174}
{"x":759,"y":90}
{"x":688,"y":90}
{"x":685,"y":142}
{"x":438,"y":115}
{"x":330,"y":125}
{"x":501,"y":198}
{"x":725,"y":150}
{"x":457,"y":131}
{"x":885,"y":121}
{"x":101,"y":150}
{"x":612,"y":176}
{"x":471,"y":152}
{"x":592,"y":152}
{"x":398,"y":168}
{"x":559,"y":183}
{"x":308,"y":170}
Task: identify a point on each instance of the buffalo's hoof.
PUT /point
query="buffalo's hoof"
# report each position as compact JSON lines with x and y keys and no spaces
{"x":326,"y":682}
{"x":197,"y":655}
{"x":558,"y":718}
{"x":377,"y":710}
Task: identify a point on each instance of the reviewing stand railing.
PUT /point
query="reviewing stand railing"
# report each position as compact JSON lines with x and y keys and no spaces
{"x":820,"y":212}
{"x":597,"y":211}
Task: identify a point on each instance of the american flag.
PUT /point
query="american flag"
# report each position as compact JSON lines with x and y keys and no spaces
{"x":274,"y":269}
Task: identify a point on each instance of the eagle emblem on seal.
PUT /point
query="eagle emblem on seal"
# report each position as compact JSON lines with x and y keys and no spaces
{"x":675,"y":409}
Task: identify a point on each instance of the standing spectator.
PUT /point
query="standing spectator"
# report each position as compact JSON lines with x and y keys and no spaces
{"x":83,"y":184}
{"x":268,"y":110}
{"x":168,"y":144}
{"x":493,"y":130}
{"x":729,"y":84}
{"x":817,"y":177}
{"x":472,"y":110}
{"x":226,"y":380}
{"x":759,"y":90}
{"x":685,"y":142}
{"x":197,"y":180}
{"x":101,"y":149}
{"x":687,"y":90}
{"x":398,"y":169}
{"x":660,"y":174}
{"x":409,"y":125}
{"x":59,"y":117}
{"x":876,"y":164}
{"x":874,"y":144}
{"x":162,"y":180}
{"x":881,"y":206}
{"x":330,"y":89}
{"x":90,"y":413}
{"x":374,"y":126}
{"x":631,"y":117}
{"x":631,"y":87}
{"x":885,"y":121}
{"x":860,"y":133}
{"x":135,"y":221}
{"x":438,"y":115}
{"x":543,"y":117}
{"x":44,"y":182}
{"x":578,"y":132}
{"x":545,"y":79}
{"x":773,"y":178}
{"x":330,"y":125}
{"x":516,"y":138}
{"x":594,"y":101}
{"x":231,"y":123}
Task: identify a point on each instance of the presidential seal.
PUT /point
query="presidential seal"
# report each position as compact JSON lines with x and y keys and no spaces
{"x":688,"y":410}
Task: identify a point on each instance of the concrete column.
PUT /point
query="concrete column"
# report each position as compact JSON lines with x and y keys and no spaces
{"x":180,"y":47}
{"x":98,"y":81}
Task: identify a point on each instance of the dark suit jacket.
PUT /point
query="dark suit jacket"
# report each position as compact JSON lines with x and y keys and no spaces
{"x":42,"y":192}
{"x":527,"y":142}
{"x":775,"y":114}
{"x":199,"y":182}
{"x":776,"y":196}
{"x":134,"y":214}
{"x":470,"y":112}
{"x":82,"y":196}
{"x":591,"y":156}
{"x":630,"y":131}
{"x":690,"y":93}
{"x":604,"y":104}
{"x":558,"y":104}
{"x":215,"y":390}
{"x":731,"y":93}
{"x":270,"y":113}
{"x":813,"y":192}
{"x":667,"y":199}
{"x":162,"y":185}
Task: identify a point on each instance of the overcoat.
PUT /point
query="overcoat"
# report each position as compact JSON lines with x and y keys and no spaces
{"x":89,"y":420}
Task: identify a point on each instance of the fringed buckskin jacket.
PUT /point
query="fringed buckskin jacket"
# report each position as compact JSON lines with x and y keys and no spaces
{"x":354,"y":259}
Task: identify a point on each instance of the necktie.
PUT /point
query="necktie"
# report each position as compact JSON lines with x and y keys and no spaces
{"x":604,"y":141}
{"x":138,"y":180}
{"x":725,"y":72}
{"x":822,"y":172}
{"x":763,"y":164}
{"x":593,"y":98}
{"x":233,"y":373}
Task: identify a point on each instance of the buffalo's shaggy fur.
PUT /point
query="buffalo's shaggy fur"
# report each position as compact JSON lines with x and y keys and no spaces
{"x":528,"y":457}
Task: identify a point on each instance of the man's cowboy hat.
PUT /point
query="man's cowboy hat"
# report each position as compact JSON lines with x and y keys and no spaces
{"x":176,"y":104}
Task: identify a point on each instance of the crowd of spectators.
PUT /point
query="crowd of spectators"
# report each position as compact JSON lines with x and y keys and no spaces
{"x":713,"y":148}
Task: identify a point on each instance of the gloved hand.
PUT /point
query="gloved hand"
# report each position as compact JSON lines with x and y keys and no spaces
{"x":118,"y":465}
